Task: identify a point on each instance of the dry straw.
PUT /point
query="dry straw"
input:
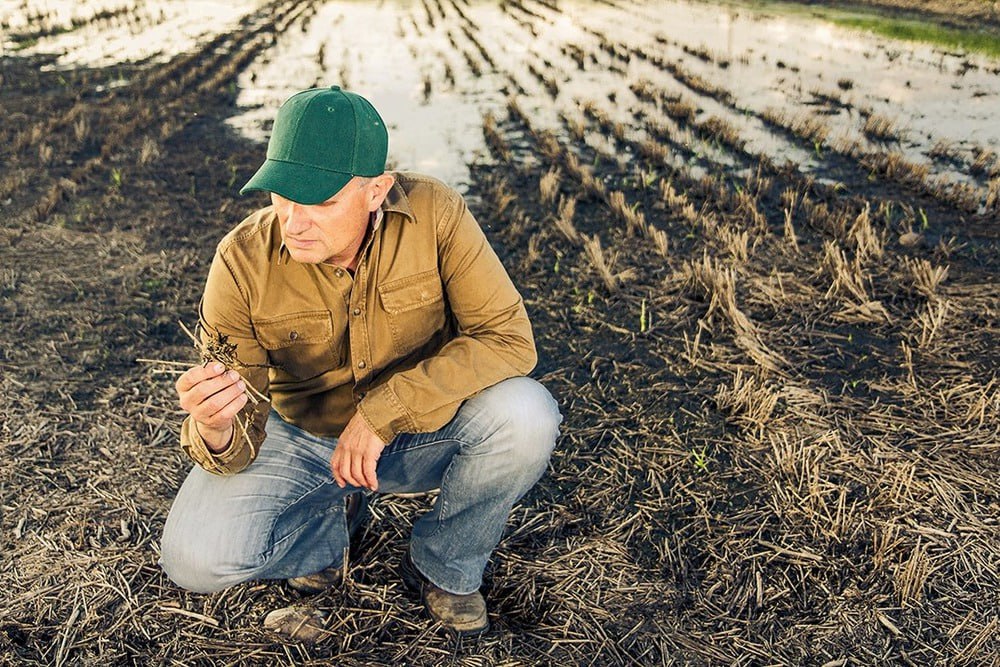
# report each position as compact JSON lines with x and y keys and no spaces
{"x":687,"y":516}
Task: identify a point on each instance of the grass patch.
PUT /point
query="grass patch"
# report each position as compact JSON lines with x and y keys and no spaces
{"x":921,"y":31}
{"x":924,"y":30}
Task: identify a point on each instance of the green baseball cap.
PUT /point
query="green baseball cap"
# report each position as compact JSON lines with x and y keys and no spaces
{"x":322,"y":138}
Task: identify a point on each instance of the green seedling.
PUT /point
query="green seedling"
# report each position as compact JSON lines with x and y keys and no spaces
{"x":116,"y":177}
{"x":888,"y":213}
{"x":643,"y":318}
{"x":700,"y":457}
{"x":924,"y":224}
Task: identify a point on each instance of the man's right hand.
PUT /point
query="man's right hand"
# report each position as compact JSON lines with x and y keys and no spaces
{"x":212,"y":396}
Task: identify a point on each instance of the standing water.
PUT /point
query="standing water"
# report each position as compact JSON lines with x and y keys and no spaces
{"x":434,"y":68}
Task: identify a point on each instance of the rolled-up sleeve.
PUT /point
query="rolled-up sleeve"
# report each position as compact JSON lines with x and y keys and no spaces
{"x":225,"y":317}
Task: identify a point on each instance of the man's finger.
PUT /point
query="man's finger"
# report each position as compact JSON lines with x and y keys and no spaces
{"x":199,"y":393}
{"x":371,"y":480}
{"x":350,"y":468}
{"x":219,"y":400}
{"x":197,"y":374}
{"x":231,"y":409}
{"x":335,"y":463}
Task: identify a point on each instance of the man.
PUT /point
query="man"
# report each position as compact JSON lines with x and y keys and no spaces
{"x":369,"y":307}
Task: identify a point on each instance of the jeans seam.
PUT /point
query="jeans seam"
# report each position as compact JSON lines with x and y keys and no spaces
{"x":442,"y":514}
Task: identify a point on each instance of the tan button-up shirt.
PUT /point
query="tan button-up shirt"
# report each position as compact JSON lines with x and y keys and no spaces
{"x":429,"y":319}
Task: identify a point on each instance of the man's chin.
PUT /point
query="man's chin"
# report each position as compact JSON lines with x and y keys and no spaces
{"x":304,"y":256}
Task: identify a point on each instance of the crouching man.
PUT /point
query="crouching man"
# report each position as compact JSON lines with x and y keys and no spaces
{"x":369,"y":307}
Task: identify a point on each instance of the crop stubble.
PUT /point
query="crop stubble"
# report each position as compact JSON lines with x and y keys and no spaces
{"x":781,"y":395}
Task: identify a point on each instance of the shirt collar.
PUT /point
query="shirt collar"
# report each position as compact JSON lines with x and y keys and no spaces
{"x":397,"y":202}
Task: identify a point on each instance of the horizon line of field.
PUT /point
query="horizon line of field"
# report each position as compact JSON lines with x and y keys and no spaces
{"x":875,"y":127}
{"x":879,"y":129}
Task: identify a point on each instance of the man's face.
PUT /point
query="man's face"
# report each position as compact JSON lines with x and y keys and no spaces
{"x":333,"y":230}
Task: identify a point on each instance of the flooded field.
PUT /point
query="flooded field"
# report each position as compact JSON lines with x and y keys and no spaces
{"x":760,"y":252}
{"x":790,"y":87}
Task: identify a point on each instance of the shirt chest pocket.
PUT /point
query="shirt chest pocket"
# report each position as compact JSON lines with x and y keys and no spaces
{"x":414,"y":308}
{"x":302,"y":345}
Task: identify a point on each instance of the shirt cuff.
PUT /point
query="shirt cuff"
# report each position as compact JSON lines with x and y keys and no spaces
{"x":195,"y":447}
{"x":384,"y":414}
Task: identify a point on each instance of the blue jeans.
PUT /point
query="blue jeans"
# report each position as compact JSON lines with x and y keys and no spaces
{"x":283,"y":516}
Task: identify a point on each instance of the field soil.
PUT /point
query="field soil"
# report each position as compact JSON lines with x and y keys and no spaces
{"x":781,"y":395}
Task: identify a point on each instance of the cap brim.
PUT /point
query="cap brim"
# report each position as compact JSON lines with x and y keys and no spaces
{"x":299,"y":183}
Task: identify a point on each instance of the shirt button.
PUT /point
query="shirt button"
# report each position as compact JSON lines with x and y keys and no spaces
{"x":293,"y":335}
{"x":339,"y":272}
{"x":357,"y":311}
{"x":361,"y":364}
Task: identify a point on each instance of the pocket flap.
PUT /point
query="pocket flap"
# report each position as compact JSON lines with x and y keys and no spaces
{"x":399,"y":296}
{"x":315,"y":326}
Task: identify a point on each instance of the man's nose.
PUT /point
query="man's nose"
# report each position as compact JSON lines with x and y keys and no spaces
{"x":296,"y":222}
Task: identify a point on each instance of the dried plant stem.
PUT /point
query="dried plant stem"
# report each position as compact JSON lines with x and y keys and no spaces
{"x":225,"y":354}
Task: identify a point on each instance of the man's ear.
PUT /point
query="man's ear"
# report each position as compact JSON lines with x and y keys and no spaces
{"x":380,"y":190}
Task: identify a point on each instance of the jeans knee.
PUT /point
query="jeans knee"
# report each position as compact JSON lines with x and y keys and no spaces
{"x":529,"y":420}
{"x":198,"y":567}
{"x":185,"y":570}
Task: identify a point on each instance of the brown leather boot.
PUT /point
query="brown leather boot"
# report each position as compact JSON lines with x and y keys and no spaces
{"x":317,"y":582}
{"x":465,"y":615}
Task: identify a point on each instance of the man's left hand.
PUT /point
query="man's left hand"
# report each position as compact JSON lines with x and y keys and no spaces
{"x":356,"y":455}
